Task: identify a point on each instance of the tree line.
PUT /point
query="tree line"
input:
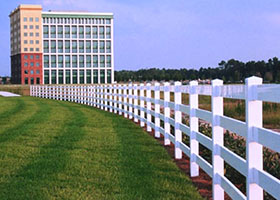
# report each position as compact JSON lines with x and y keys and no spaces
{"x":232,"y":71}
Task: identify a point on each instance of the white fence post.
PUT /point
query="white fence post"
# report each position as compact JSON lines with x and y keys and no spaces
{"x":193,"y":101}
{"x":120,"y":99}
{"x":135,"y":94}
{"x":166,"y":113}
{"x":125,"y":100}
{"x":94,"y":96}
{"x":106,"y":97}
{"x":115,"y":99}
{"x":130,"y":100}
{"x":149,"y":107}
{"x":157,"y":109}
{"x":254,"y":150}
{"x":217,"y":106}
{"x":111,"y":98}
{"x":142,"y":106}
{"x":178,"y":120}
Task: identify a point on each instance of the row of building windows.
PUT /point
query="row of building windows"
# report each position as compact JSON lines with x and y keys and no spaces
{"x":31,"y":19}
{"x":30,"y":27}
{"x":81,"y":31}
{"x":31,"y":72}
{"x":76,"y":61}
{"x":31,"y":34}
{"x":76,"y":76}
{"x":31,"y":49}
{"x":37,"y":57}
{"x":76,"y":21}
{"x":88,"y":46}
{"x":31,"y":64}
{"x":31,"y":41}
{"x":26,"y":80}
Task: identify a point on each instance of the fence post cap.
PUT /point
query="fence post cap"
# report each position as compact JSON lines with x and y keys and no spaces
{"x":177,"y":83}
{"x":217,"y":82}
{"x":253,"y":80}
{"x":166,"y":84}
{"x":193,"y":83}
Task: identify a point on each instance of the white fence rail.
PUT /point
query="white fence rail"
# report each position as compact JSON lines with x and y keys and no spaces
{"x":135,"y":101}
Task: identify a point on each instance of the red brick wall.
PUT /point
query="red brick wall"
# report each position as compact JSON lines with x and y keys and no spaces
{"x":28,"y":68}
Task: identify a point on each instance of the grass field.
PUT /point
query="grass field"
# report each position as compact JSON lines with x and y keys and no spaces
{"x":60,"y":150}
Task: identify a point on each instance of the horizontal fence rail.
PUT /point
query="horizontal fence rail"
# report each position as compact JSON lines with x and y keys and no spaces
{"x":144,"y":104}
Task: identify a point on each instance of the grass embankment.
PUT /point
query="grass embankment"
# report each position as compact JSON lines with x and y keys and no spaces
{"x":61,"y":150}
{"x":17,"y":89}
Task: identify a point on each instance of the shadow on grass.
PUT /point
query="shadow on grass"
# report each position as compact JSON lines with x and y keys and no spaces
{"x":32,"y":181}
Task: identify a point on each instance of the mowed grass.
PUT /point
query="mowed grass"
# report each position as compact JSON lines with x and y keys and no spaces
{"x":59,"y":150}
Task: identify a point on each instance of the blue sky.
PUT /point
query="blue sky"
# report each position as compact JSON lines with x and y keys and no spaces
{"x":174,"y":33}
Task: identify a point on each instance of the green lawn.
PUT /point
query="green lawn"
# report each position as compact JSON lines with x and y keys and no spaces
{"x":60,"y":150}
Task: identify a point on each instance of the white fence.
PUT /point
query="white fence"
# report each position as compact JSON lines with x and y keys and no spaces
{"x":135,"y":102}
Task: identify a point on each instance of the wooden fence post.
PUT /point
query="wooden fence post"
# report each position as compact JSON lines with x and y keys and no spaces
{"x":217,"y":106}
{"x":254,"y":150}
{"x":166,"y":113}
{"x":157,"y":109}
{"x":178,"y":119}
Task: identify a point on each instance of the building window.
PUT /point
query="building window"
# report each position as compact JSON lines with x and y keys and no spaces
{"x":46,"y":31}
{"x":67,"y":76}
{"x":82,"y":77}
{"x":81,"y":32}
{"x":67,"y":61}
{"x":25,"y":57}
{"x":94,"y":32}
{"x":31,"y":27}
{"x":25,"y":27}
{"x":46,"y":46}
{"x":88,"y":77}
{"x":74,"y":46}
{"x":88,"y":32}
{"x":95,"y":61}
{"x":102,"y":76}
{"x":74,"y":62}
{"x":67,"y":46}
{"x":25,"y":71}
{"x":37,"y":19}
{"x":37,"y":57}
{"x":26,"y":81}
{"x":37,"y":50}
{"x":37,"y":26}
{"x":108,"y":61}
{"x":101,"y":46}
{"x":95,"y":76}
{"x":53,"y":61}
{"x":37,"y":64}
{"x":53,"y":46}
{"x":109,"y":76}
{"x":81,"y":47}
{"x":37,"y":41}
{"x":88,"y":61}
{"x":32,"y":81}
{"x":31,"y":49}
{"x":60,"y":77}
{"x":25,"y":49}
{"x":108,"y":32}
{"x":74,"y":77}
{"x":31,"y":19}
{"x":31,"y":72}
{"x":95,"y":47}
{"x":101,"y":32}
{"x":25,"y":64}
{"x":37,"y":71}
{"x":53,"y":32}
{"x":25,"y":19}
{"x":60,"y":61}
{"x":46,"y":77}
{"x":108,"y":46}
{"x":53,"y":76}
{"x":74,"y":31}
{"x":31,"y":42}
{"x":102,"y":61}
{"x":108,"y":21}
{"x":25,"y":41}
{"x":81,"y":61}
{"x":25,"y":34}
{"x":37,"y":34}
{"x":31,"y":57}
{"x":88,"y":46}
{"x":60,"y":31}
{"x":46,"y":61}
{"x":31,"y":34}
{"x":37,"y":81}
{"x":32,"y":64}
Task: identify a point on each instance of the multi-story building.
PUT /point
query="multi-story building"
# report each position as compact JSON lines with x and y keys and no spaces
{"x":57,"y":47}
